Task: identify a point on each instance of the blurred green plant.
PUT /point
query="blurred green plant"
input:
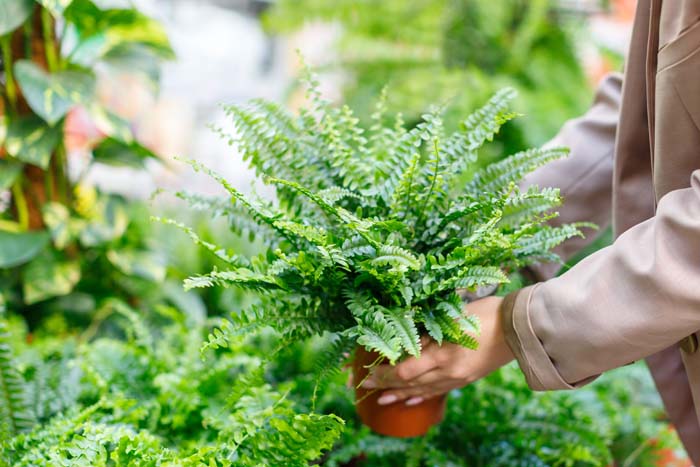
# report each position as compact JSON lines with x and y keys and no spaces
{"x":63,"y":244}
{"x":457,"y":52}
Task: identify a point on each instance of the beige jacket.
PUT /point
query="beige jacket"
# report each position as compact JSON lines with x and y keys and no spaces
{"x":636,"y":162}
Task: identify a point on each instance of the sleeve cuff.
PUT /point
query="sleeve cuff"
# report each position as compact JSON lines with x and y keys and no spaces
{"x":540,"y":372}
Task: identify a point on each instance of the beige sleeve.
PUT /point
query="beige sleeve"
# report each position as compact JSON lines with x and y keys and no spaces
{"x":625,"y":302}
{"x":585,"y":177}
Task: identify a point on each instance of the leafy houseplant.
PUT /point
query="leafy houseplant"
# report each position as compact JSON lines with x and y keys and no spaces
{"x":371,"y":237}
{"x":54,"y":228}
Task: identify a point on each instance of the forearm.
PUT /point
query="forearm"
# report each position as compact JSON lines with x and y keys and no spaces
{"x":623,"y":303}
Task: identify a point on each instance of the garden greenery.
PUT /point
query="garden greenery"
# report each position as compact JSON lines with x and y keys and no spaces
{"x":132,"y":390}
{"x":147,"y":400}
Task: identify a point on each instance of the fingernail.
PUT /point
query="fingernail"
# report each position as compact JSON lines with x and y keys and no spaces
{"x":386,"y":400}
{"x":369,"y":384}
{"x":414,"y":401}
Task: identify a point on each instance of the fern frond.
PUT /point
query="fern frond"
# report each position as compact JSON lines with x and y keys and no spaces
{"x":396,"y":257}
{"x":452,"y":331}
{"x":15,"y":414}
{"x":405,"y":329}
{"x":470,"y":277}
{"x":330,"y":361}
{"x":334,"y":194}
{"x":523,"y":207}
{"x":220,"y":253}
{"x":498,"y":176}
{"x":454,"y":308}
{"x":541,"y":242}
{"x":243,"y":278}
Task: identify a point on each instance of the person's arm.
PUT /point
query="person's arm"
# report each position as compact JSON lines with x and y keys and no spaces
{"x":624,"y":302}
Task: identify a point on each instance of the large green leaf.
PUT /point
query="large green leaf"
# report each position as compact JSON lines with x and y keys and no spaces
{"x":9,"y":170}
{"x":18,"y":248}
{"x":110,"y":124}
{"x":52,"y":95}
{"x":135,"y":58}
{"x":139,"y":263}
{"x":47,"y":277}
{"x":13,"y":13}
{"x":111,"y":223}
{"x":99,"y":32}
{"x":56,"y":7}
{"x":113,"y":152}
{"x":57,"y":218}
{"x":3,"y":129}
{"x":30,"y":140}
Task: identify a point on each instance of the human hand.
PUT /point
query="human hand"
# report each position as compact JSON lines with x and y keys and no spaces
{"x":442,"y":368}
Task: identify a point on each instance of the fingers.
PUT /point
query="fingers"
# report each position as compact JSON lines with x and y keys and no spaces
{"x":410,"y":396}
{"x":405,"y":373}
{"x":402,"y":375}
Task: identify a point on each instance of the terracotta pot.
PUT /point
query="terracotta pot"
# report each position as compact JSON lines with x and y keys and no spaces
{"x":398,"y":420}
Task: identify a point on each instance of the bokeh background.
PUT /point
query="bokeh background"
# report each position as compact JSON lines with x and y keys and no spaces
{"x":425,"y":52}
{"x":108,"y":258}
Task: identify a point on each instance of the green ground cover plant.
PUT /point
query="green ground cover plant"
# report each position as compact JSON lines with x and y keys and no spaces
{"x":133,"y":391}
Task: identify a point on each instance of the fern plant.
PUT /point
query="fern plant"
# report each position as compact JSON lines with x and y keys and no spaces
{"x":148,"y":400}
{"x":372,"y":235}
{"x":15,"y":417}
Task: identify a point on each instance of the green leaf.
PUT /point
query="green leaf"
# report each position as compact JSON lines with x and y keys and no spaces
{"x":18,"y":248}
{"x":100,"y":32}
{"x":45,"y":277}
{"x":56,"y":7}
{"x":111,"y":223}
{"x":135,"y":58}
{"x":13,"y":13}
{"x":110,"y":124}
{"x":30,"y":140}
{"x":113,"y":152}
{"x":52,"y":95}
{"x":16,"y":415}
{"x":9,"y":170}
{"x":3,"y":129}
{"x":405,"y":329}
{"x":139,"y":263}
{"x":57,"y":218}
{"x":432,"y":326}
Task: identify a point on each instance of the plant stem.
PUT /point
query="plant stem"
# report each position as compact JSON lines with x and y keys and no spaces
{"x":632,"y":458}
{"x":49,"y":44}
{"x":10,"y":86}
{"x":49,"y":184}
{"x":20,"y":204}
{"x":62,"y":174}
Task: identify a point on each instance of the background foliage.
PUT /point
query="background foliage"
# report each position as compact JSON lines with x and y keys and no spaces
{"x":100,"y":361}
{"x":457,"y":52}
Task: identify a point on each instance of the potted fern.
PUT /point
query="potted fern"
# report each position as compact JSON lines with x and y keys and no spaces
{"x":374,"y":231}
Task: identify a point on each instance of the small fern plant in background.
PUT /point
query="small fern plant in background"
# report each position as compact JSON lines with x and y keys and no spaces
{"x":374,"y":230}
